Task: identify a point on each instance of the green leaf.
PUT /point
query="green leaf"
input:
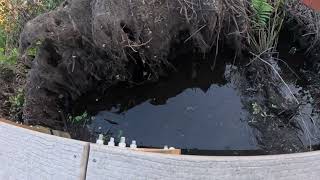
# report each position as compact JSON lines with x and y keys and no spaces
{"x":263,"y":11}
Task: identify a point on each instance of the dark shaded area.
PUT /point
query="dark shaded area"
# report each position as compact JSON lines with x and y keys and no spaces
{"x":7,"y":80}
{"x":192,"y":71}
{"x":223,"y":152}
{"x":302,"y":29}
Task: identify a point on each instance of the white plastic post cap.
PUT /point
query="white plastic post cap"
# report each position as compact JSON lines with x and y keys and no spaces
{"x":122,"y":142}
{"x":100,"y":139}
{"x":111,"y":142}
{"x":101,"y":136}
{"x":133,"y":144}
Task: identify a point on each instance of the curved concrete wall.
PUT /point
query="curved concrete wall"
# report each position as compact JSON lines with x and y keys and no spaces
{"x":25,"y":154}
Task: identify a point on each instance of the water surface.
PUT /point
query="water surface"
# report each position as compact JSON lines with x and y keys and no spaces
{"x":196,"y":108}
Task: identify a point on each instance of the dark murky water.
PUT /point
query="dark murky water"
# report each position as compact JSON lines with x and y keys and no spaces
{"x":199,"y":110}
{"x":196,"y":108}
{"x":194,"y":118}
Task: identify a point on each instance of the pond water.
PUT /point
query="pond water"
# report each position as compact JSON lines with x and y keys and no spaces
{"x":192,"y":119}
{"x":196,"y":108}
{"x":203,"y":111}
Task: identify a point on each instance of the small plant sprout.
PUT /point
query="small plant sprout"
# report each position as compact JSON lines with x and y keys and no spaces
{"x":122,"y":142}
{"x":16,"y":103}
{"x":100,"y":140}
{"x":256,"y":108}
{"x":133,"y":144}
{"x":111,"y":142}
{"x":81,"y":119}
{"x":18,"y":99}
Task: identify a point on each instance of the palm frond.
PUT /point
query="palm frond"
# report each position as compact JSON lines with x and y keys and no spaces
{"x":263,"y":11}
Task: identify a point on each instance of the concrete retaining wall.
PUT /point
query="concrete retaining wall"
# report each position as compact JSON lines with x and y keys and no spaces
{"x":26,"y":154}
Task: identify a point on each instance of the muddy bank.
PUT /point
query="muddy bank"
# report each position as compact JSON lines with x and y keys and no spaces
{"x":86,"y":45}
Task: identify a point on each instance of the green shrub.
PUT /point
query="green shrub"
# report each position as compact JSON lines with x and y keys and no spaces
{"x":17,"y":101}
{"x":2,"y":40}
{"x":9,"y":58}
{"x":15,"y":13}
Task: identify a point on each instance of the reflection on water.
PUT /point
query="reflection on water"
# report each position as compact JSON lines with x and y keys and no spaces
{"x":192,"y":119}
{"x":196,"y":108}
{"x":206,"y":112}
